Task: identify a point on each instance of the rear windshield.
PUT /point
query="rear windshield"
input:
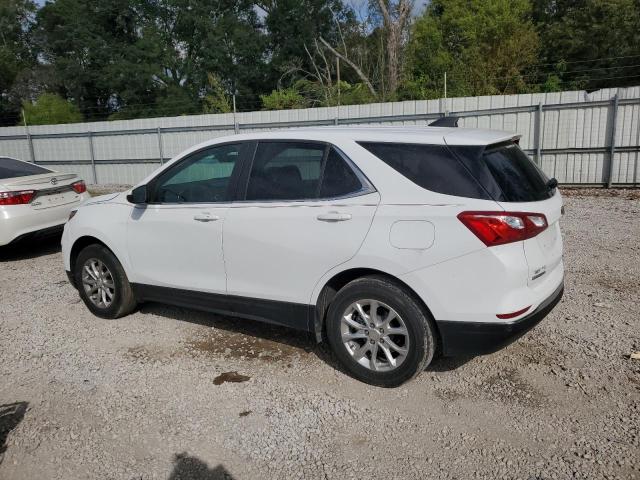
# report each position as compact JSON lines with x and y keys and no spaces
{"x":519,"y":179}
{"x":10,"y":168}
{"x":433,"y":167}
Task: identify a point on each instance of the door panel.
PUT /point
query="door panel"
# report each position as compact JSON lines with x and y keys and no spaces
{"x":293,"y":229}
{"x":278,"y":251}
{"x":178,"y":246}
{"x":176,"y":240}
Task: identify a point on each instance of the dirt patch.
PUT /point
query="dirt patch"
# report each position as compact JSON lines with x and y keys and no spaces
{"x":240,"y":346}
{"x":231,"y":377}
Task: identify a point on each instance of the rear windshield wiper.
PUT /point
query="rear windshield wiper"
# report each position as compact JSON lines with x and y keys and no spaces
{"x":551,"y":184}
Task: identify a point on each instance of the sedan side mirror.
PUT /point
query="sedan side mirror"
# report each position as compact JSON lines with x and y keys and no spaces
{"x":138,"y":195}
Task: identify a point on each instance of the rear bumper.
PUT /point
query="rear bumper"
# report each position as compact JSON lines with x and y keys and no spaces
{"x":479,"y":338}
{"x":42,"y":233}
{"x":16,"y":221}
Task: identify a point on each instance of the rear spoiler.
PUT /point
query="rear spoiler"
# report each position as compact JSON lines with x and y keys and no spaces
{"x":445,"y":121}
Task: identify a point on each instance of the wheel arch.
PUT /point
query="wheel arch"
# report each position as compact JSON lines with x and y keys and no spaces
{"x":340,"y":279}
{"x":81,"y":243}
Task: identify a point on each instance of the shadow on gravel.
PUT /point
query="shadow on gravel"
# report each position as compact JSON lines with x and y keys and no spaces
{"x":31,"y":248}
{"x":247,"y":339}
{"x":250,"y":339}
{"x":11,"y":414}
{"x":192,"y":468}
{"x":448,"y":364}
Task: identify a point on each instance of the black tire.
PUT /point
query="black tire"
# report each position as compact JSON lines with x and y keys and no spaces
{"x":418,"y":322}
{"x":123,"y":301}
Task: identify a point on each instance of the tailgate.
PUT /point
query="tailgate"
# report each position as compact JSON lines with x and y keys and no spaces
{"x":544,"y":251}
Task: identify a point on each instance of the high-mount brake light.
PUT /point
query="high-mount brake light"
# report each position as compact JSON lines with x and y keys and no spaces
{"x":498,"y":228}
{"x":17,"y":198}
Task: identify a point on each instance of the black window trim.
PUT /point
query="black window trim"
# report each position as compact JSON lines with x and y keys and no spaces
{"x":234,"y":180}
{"x":367,"y":186}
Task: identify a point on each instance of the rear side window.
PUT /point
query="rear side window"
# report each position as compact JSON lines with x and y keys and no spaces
{"x":299,"y":171}
{"x":10,"y":168}
{"x":285,"y":171}
{"x":338,"y":178}
{"x":432,"y":167}
{"x":516,"y":175}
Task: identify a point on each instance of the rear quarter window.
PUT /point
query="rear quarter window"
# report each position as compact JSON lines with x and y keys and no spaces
{"x":433,"y":167}
{"x":10,"y":168}
{"x":519,"y":179}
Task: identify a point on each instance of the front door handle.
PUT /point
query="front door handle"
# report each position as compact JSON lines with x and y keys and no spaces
{"x":334,"y":217}
{"x":205,"y":217}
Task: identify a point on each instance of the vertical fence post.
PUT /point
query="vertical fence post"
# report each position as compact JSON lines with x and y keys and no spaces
{"x":612,"y":138}
{"x":236,"y":127}
{"x":31,"y":150}
{"x":538,"y":135}
{"x":160,"y":149}
{"x":29,"y":139}
{"x":93,"y":158}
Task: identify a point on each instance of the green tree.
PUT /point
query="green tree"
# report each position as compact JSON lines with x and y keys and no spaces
{"x":16,"y":57}
{"x":485,"y":46}
{"x":589,"y":44}
{"x":284,"y":99}
{"x":216,"y":100}
{"x":50,"y":109}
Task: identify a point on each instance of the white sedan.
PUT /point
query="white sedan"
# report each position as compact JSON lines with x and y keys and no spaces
{"x":34,"y":199}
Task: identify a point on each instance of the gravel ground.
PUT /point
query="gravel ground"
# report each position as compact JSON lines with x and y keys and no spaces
{"x":173,"y":393}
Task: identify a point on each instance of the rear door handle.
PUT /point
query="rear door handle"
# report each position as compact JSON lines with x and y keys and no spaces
{"x":334,"y":217}
{"x":205,"y":217}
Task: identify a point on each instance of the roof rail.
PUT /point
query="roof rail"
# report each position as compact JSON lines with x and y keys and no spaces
{"x":445,"y":121}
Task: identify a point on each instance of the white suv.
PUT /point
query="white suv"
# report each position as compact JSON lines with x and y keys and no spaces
{"x":393,"y":243}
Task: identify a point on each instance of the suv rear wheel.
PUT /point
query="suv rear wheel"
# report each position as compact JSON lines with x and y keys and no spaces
{"x":102,"y":283}
{"x":379,"y":333}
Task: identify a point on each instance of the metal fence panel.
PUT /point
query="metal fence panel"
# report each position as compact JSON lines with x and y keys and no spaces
{"x":578,"y":137}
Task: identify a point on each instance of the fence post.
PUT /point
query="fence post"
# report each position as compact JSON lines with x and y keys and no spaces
{"x":93,"y":158}
{"x":31,"y":150}
{"x":612,"y":138}
{"x":538,"y":135}
{"x":160,"y":149}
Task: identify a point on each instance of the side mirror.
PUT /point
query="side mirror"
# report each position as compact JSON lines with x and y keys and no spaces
{"x":138,"y":195}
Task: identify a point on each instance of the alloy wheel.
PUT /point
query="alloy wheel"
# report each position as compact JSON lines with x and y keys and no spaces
{"x":98,"y":283}
{"x":375,"y":335}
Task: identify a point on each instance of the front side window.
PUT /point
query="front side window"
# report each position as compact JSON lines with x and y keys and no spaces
{"x":10,"y":168}
{"x":299,"y":171}
{"x":204,"y":177}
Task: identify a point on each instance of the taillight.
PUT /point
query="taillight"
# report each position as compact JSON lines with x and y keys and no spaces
{"x":498,"y":228}
{"x":79,"y":187}
{"x":17,"y":198}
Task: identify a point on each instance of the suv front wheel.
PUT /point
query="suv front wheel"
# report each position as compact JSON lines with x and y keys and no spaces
{"x":102,"y":283}
{"x":379,"y":332}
